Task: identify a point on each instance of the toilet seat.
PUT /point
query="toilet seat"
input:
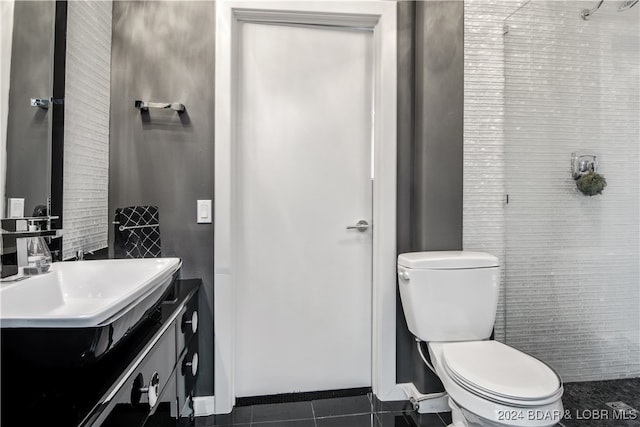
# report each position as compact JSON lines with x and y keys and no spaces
{"x":499,"y":373}
{"x":486,"y":380}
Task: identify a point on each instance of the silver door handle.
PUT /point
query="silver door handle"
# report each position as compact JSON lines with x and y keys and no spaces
{"x":361,"y":226}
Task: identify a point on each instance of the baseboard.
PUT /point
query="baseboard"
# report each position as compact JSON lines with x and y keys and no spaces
{"x":203,"y":406}
{"x":395,"y":394}
{"x":301,"y":397}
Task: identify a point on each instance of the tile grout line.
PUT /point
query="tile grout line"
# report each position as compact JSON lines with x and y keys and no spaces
{"x":286,"y":420}
{"x":444,"y":423}
{"x":259,"y":423}
{"x":345,"y":415}
{"x":313,"y":412}
{"x":373,"y":411}
{"x":375,"y":414}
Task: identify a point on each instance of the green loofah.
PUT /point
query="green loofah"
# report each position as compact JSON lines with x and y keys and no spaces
{"x":591,"y":184}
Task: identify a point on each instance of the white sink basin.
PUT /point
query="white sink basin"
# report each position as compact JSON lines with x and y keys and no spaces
{"x":84,"y":294}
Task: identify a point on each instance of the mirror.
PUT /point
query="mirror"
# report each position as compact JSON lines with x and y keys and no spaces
{"x":73,"y":65}
{"x":28,"y":34}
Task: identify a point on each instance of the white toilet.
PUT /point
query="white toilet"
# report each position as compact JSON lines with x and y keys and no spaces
{"x":450,"y":300}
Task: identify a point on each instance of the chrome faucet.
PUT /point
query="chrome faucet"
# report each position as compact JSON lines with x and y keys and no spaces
{"x":14,"y":234}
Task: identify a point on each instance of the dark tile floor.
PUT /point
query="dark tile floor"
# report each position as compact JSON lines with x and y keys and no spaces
{"x":585,"y":403}
{"x":584,"y":407}
{"x":353,"y":411}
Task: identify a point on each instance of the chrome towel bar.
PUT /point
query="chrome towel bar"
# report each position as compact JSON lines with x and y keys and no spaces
{"x":145,"y":105}
{"x":131,"y":227}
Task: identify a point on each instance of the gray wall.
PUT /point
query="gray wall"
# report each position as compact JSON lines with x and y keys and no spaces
{"x":164,"y":52}
{"x":430,"y":148}
{"x":165,"y":159}
{"x":439,"y":110}
{"x":28,"y":128}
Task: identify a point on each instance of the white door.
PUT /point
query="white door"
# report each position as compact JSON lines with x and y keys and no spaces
{"x":303,"y":173}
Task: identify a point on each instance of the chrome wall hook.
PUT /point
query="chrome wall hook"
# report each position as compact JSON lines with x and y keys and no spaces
{"x":582,"y":164}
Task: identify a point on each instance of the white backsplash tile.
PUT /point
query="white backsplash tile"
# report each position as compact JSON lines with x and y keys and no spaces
{"x":86,"y":133}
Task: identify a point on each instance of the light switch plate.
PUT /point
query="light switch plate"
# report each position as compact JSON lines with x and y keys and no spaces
{"x":204,"y":212}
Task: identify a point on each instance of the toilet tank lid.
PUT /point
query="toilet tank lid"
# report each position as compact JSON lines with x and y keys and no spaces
{"x":447,"y":260}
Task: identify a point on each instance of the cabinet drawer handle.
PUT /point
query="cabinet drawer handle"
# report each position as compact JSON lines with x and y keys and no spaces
{"x":152,"y":389}
{"x":193,"y":322}
{"x":193,"y":364}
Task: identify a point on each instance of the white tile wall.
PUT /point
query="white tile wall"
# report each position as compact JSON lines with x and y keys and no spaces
{"x":483,"y":197}
{"x":86,"y":133}
{"x":572,"y":262}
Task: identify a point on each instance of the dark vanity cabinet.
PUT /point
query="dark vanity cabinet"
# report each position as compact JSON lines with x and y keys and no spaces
{"x":156,"y":388}
{"x":146,"y":380}
{"x":188,"y":362}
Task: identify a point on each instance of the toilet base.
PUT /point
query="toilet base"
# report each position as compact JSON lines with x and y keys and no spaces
{"x":457,"y":417}
{"x":462,"y":418}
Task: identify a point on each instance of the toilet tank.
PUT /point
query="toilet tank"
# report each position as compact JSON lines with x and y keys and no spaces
{"x":449,"y":295}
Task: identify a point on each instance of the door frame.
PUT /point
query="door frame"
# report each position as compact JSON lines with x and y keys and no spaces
{"x":380,"y":17}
